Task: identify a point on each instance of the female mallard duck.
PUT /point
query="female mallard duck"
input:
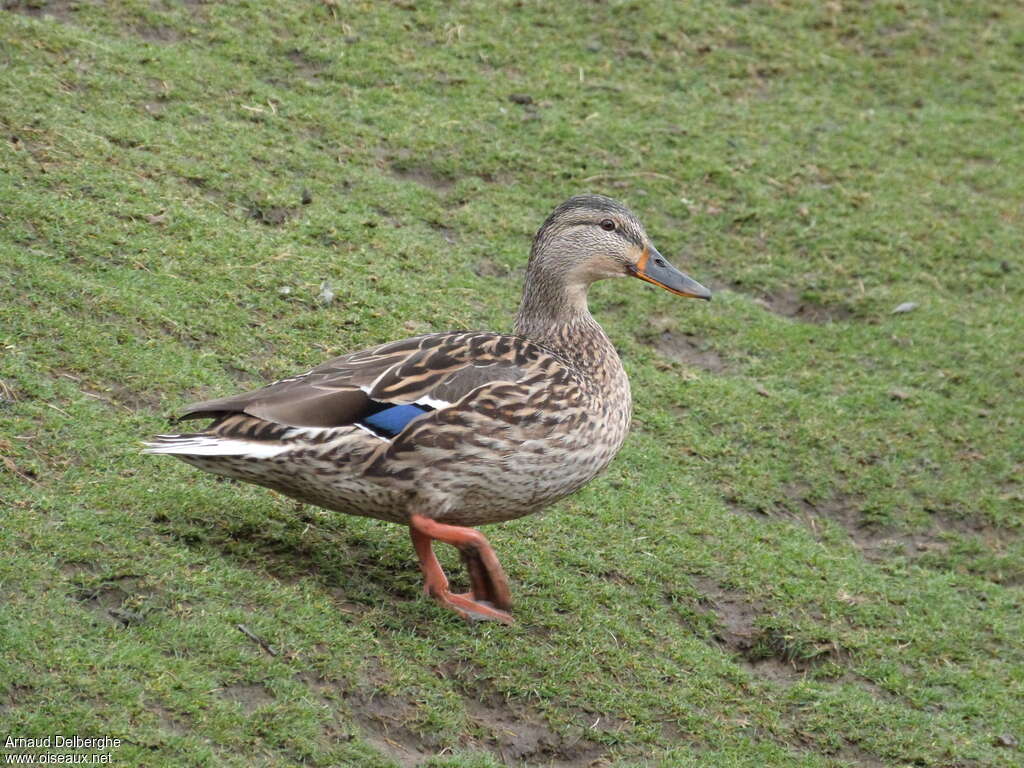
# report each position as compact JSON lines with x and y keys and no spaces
{"x":449,"y":430}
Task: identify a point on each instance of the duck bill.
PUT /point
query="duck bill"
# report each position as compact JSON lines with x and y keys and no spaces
{"x":654,"y":268}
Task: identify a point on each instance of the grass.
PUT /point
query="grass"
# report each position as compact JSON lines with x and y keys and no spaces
{"x":809,"y":552}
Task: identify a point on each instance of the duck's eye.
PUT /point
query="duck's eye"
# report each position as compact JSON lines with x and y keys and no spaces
{"x":608,"y":225}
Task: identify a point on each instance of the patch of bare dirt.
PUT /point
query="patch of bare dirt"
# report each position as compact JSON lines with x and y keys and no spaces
{"x":385,"y":724}
{"x":125,"y":142}
{"x":76,"y":572}
{"x":167,"y":720}
{"x":423,"y":175}
{"x":16,"y":695}
{"x":271,"y":215}
{"x":515,"y":734}
{"x":155,"y":33}
{"x":790,"y":303}
{"x":845,"y":510}
{"x":383,"y":721}
{"x":306,"y":65}
{"x":216,"y":196}
{"x":199,"y":182}
{"x":849,"y":751}
{"x":61,"y":10}
{"x":687,"y":349}
{"x":116,"y":599}
{"x":852,"y":752}
{"x":737,"y":631}
{"x":518,"y":735}
{"x":39,"y":146}
{"x":940,"y":545}
{"x":249,"y":696}
{"x":877,"y":543}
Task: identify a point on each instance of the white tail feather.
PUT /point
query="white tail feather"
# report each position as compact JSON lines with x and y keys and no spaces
{"x":206,"y":445}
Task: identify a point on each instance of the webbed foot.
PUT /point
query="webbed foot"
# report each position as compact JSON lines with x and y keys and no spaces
{"x":490,"y":594}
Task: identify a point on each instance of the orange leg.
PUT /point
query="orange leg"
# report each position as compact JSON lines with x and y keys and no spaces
{"x":479,"y":584}
{"x":490,"y":593}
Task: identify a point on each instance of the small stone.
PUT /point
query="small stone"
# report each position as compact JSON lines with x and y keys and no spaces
{"x":326,"y":295}
{"x":906,"y":306}
{"x":1006,"y":740}
{"x":284,"y":290}
{"x":307,"y":197}
{"x":520,"y":98}
{"x":275,"y":216}
{"x":899,"y":394}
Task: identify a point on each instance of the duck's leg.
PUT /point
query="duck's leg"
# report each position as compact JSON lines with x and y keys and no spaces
{"x":479,"y":584}
{"x":490,"y":586}
{"x":487,"y":577}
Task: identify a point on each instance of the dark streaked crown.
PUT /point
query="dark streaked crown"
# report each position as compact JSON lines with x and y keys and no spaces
{"x":590,"y":208}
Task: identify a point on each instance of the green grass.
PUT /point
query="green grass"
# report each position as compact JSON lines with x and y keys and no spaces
{"x":809,"y":552}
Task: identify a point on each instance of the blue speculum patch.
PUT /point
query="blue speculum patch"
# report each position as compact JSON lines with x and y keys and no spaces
{"x":388,"y":420}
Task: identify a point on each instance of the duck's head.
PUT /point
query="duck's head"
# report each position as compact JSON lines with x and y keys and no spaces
{"x":592,"y":237}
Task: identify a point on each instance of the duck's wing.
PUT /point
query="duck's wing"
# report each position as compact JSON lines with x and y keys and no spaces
{"x":368,"y":387}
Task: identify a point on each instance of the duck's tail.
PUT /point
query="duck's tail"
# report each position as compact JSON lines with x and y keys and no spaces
{"x":206,"y":444}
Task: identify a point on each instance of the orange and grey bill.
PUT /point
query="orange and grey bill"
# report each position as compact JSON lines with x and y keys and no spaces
{"x":654,"y":268}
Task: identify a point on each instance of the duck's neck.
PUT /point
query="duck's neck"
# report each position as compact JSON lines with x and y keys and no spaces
{"x":554,"y":313}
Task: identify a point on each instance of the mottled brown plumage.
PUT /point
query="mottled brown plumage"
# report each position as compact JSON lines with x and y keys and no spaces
{"x":450,"y":430}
